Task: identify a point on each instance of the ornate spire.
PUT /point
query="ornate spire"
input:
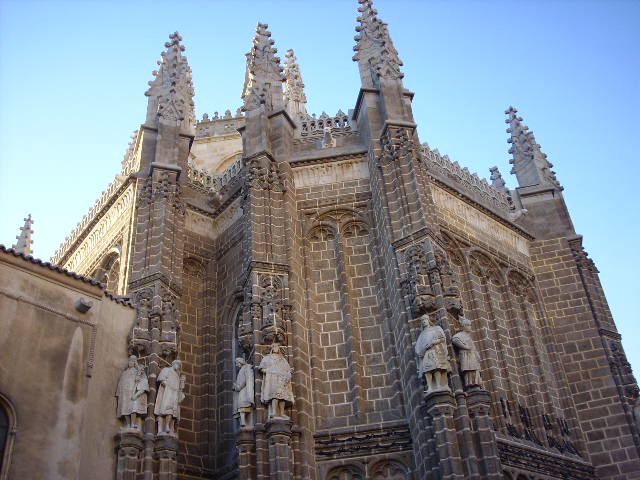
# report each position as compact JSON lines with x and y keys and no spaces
{"x":375,"y":53}
{"x":294,"y":97}
{"x":171,"y":91}
{"x":529,"y":163}
{"x":23,"y":245}
{"x":497,"y":180}
{"x":263,"y":77}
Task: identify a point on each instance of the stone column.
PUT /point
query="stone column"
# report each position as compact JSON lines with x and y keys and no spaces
{"x":279,"y":438}
{"x":166,"y":452}
{"x":246,"y":445}
{"x":129,"y":449}
{"x":440,"y":406}
{"x":479,"y":403}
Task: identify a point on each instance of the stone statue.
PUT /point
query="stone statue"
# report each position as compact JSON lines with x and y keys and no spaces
{"x":469,"y":357}
{"x":327,"y":139}
{"x":167,"y":409}
{"x":244,"y":391}
{"x":432,"y":348}
{"x":276,"y":388}
{"x":132,"y":393}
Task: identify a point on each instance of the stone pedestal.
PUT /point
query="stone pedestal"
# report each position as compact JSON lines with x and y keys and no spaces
{"x":479,"y":403}
{"x":166,"y":449}
{"x":129,"y":448}
{"x":246,"y":444}
{"x":440,"y":406}
{"x":279,"y":437}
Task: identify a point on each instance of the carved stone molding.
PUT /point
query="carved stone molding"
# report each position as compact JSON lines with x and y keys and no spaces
{"x":363,"y":442}
{"x":539,"y":461}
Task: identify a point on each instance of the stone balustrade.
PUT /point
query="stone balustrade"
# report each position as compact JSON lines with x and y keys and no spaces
{"x":310,"y":125}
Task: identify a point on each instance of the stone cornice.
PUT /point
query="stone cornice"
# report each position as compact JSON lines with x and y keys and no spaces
{"x":543,"y":461}
{"x":356,"y":441}
{"x":323,"y":158}
{"x":219,"y":138}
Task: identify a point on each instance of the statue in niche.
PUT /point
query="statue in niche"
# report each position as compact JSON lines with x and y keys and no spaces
{"x":132,"y":394}
{"x":243,"y":387}
{"x":469,"y":356}
{"x":170,"y":394}
{"x":276,"y":388}
{"x":431,"y":347}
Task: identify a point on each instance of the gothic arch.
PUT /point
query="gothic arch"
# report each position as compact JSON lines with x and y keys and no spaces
{"x":389,"y":470}
{"x":8,"y":428}
{"x":454,"y":250}
{"x":193,"y":267}
{"x":520,"y":284}
{"x":227,"y":162}
{"x":321,"y":232}
{"x":354,"y":228}
{"x":327,"y":222}
{"x":108,"y":270}
{"x":346,"y":472}
{"x":484,"y":266}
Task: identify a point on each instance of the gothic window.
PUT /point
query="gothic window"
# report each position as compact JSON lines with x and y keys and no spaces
{"x":7,"y":433}
{"x":108,"y":272}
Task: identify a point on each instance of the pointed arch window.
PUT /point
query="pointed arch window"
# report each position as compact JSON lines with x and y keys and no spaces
{"x":7,"y":434}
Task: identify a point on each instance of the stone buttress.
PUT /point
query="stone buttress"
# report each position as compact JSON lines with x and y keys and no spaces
{"x":155,"y":279}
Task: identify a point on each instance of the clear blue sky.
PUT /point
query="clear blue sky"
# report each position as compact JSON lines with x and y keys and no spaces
{"x":73,"y":76}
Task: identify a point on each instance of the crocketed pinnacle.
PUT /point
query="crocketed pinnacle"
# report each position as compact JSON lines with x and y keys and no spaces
{"x":263,"y":77}
{"x":375,"y":53}
{"x":171,"y":91}
{"x":497,"y":180}
{"x":294,"y":97}
{"x":23,"y":245}
{"x":529,"y":163}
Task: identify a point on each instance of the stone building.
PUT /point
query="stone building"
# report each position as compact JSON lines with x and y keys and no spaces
{"x":361,"y":254}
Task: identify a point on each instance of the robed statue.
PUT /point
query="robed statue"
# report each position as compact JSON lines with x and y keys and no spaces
{"x":132,"y":394}
{"x":431,"y":347}
{"x":469,"y":356}
{"x":170,"y":395}
{"x":276,"y":386}
{"x":244,"y":393}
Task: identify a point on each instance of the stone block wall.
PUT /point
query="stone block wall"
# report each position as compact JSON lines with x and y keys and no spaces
{"x":591,"y":356}
{"x":352,"y":365}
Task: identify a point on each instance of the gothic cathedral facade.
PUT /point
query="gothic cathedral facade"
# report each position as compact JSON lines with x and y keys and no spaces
{"x":344,"y":301}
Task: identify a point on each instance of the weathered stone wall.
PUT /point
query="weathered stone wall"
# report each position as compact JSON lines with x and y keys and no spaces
{"x":60,"y":370}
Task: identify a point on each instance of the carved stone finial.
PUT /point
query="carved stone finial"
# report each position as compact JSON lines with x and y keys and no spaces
{"x":375,"y":53}
{"x":530,"y":164}
{"x":171,"y":91}
{"x":23,"y":245}
{"x":497,"y":180}
{"x":294,"y":96}
{"x":263,"y":76}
